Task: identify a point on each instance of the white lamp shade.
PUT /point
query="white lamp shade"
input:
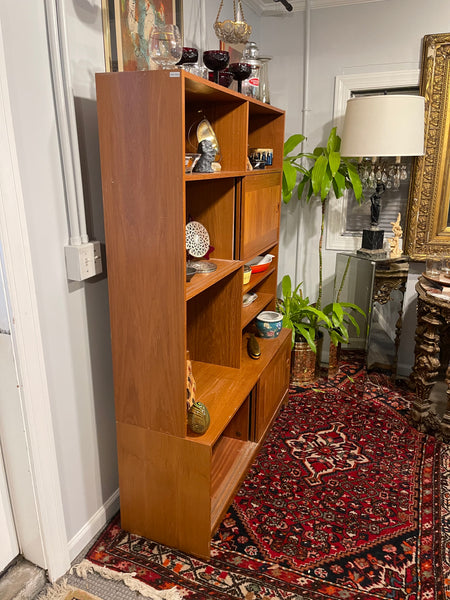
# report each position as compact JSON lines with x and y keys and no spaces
{"x":384,"y":126}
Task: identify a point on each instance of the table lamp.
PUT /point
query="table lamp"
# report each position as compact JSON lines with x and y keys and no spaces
{"x":382,"y":126}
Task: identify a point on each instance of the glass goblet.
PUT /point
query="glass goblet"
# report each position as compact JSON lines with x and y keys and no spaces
{"x":189,"y":57}
{"x":240,"y":71}
{"x":216,"y":60}
{"x":165,"y":45}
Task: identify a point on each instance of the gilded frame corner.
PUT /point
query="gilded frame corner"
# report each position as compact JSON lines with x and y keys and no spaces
{"x":428,"y":218}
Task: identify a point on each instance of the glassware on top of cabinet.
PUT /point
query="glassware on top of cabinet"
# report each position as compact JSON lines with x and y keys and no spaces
{"x":264,"y":88}
{"x":250,"y":87}
{"x":165,"y":45}
{"x":188,"y":60}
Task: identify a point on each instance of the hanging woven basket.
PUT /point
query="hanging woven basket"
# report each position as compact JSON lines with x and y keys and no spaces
{"x":233,"y":32}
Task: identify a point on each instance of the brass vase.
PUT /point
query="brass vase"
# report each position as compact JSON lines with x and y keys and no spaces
{"x":303,"y":364}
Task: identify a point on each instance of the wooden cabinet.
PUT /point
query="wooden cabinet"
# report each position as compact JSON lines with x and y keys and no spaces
{"x":272,"y":388}
{"x":175,"y":486}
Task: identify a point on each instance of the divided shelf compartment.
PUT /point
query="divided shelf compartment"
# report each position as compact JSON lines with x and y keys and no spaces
{"x":223,"y":390}
{"x":213,"y":321}
{"x":212,"y":203}
{"x":263,"y":284}
{"x":238,"y":121}
{"x":266,"y":130}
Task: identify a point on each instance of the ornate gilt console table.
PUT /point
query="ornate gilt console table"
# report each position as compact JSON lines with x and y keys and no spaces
{"x":431,"y":357}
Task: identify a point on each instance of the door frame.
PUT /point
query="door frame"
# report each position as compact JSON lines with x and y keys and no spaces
{"x":33,"y":477}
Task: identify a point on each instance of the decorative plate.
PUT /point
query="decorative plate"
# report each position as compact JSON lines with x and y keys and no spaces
{"x":197,"y":239}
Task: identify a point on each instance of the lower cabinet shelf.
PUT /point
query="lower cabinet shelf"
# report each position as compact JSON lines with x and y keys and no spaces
{"x":230,"y":461}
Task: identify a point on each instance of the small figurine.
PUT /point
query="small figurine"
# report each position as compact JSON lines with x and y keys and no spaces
{"x":253,"y":348}
{"x":375,"y":200}
{"x":208,"y":154}
{"x":394,"y":242}
{"x":198,"y":418}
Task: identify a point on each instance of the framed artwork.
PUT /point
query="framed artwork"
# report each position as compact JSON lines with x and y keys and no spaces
{"x":428,"y":218}
{"x":126,"y":30}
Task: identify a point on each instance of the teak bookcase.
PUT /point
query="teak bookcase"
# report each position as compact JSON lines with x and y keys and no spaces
{"x":176,"y":486}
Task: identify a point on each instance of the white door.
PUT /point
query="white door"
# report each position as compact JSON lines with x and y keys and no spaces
{"x":9,"y":547}
{"x":8,"y":393}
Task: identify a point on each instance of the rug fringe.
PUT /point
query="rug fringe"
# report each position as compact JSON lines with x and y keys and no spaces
{"x":85,"y":567}
{"x":58,"y":591}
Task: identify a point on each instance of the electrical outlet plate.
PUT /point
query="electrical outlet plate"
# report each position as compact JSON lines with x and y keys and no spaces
{"x":83,"y":261}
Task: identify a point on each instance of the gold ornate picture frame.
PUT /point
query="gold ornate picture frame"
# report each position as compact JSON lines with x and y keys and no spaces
{"x":428,"y":217}
{"x":126,"y":29}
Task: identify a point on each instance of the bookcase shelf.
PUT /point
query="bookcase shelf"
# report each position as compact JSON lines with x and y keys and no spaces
{"x":175,"y":485}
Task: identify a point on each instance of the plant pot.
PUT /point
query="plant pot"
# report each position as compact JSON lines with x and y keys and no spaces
{"x":303,"y":364}
{"x":333,"y":360}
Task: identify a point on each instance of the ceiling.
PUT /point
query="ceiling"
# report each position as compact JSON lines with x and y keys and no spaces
{"x":272,"y":8}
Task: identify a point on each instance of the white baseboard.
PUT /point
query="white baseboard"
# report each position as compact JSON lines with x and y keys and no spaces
{"x":95,"y":524}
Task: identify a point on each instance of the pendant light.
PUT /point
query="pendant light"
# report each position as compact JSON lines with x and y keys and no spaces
{"x":233,"y":32}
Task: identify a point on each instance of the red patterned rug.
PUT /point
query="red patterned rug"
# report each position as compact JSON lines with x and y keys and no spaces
{"x":345,"y":500}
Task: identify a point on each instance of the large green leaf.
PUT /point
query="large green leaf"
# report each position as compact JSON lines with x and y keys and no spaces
{"x":353,"y":307}
{"x":318,"y":173}
{"x":326,"y":184}
{"x":338,"y":310}
{"x":339,"y":188}
{"x":308,"y":335}
{"x":352,"y":319}
{"x":333,"y":142}
{"x":286,"y":286}
{"x":289,"y":180}
{"x":292,"y":142}
{"x":334,"y":160}
{"x":355,"y":181}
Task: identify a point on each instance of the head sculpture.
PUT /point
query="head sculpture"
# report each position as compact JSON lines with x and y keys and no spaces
{"x":208,"y":155}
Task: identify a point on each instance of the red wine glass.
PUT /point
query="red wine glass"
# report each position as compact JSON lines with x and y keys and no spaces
{"x":240,"y":71}
{"x":216,"y":60}
{"x":189,"y":56}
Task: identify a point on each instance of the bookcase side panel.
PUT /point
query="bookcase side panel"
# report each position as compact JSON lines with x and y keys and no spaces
{"x":143,"y":196}
{"x":165,"y":488}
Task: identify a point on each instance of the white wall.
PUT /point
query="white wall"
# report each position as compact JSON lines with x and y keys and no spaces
{"x":358,"y":38}
{"x":73,"y":317}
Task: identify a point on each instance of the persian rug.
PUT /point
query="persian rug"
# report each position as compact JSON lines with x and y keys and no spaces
{"x":345,"y":500}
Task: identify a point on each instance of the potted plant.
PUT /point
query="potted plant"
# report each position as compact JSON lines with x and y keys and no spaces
{"x":326,"y":171}
{"x":303,"y":318}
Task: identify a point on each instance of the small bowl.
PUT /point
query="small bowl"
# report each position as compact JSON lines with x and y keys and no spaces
{"x":260,"y":263}
{"x":247,"y":274}
{"x":269,"y":324}
{"x":190,"y":272}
